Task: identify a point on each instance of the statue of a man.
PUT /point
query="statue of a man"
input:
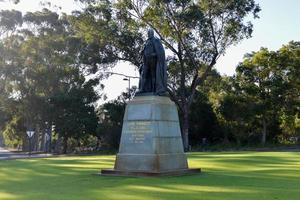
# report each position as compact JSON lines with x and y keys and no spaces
{"x":154,"y":70}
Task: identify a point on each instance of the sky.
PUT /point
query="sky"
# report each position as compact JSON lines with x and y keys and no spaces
{"x":278,"y":24}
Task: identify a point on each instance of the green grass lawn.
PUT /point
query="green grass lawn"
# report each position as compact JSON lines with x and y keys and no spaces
{"x":226,"y":176}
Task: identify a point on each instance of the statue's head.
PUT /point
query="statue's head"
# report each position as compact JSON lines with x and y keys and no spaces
{"x":150,"y":33}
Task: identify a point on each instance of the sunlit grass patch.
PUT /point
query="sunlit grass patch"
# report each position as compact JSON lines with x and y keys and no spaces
{"x":226,"y":176}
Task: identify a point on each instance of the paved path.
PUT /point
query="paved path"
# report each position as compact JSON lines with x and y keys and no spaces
{"x":4,"y":152}
{"x":7,"y":155}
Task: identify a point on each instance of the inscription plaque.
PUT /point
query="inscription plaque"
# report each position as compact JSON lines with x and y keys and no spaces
{"x":137,"y":131}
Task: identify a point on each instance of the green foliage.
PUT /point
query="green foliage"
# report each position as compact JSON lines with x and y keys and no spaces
{"x":290,"y":126}
{"x":14,"y":133}
{"x":203,"y":121}
{"x":10,"y":20}
{"x":74,"y":113}
{"x":111,"y":120}
{"x":261,"y":102}
{"x":42,"y":77}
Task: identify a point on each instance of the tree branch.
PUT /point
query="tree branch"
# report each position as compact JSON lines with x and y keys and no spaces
{"x":175,"y":99}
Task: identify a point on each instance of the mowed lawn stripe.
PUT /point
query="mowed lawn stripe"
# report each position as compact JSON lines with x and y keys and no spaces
{"x":226,"y":176}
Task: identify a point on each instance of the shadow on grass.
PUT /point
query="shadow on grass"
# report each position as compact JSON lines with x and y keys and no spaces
{"x":234,"y":175}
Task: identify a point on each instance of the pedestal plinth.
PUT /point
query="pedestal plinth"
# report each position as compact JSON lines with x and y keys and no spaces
{"x":151,"y":143}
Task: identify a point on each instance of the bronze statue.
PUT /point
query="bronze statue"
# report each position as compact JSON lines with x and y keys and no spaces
{"x":153,"y":77}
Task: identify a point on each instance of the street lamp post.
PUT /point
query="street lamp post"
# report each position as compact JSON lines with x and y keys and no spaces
{"x":128,"y":79}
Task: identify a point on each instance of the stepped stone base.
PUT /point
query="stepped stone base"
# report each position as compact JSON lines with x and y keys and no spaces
{"x":112,"y":172}
{"x":151,"y":143}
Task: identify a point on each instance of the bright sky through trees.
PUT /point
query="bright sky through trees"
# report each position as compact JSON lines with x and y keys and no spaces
{"x":278,"y":24}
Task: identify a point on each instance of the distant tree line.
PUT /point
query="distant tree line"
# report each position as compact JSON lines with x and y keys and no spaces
{"x":52,"y":66}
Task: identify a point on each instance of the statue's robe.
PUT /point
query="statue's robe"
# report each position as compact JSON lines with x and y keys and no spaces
{"x":160,"y":71}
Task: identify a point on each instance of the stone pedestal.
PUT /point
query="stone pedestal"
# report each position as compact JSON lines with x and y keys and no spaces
{"x":151,"y":143}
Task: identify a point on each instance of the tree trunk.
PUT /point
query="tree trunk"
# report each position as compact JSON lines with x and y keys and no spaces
{"x":185,"y":129}
{"x":25,"y":143}
{"x":264,"y":132}
{"x":1,"y":138}
{"x":225,"y":140}
{"x":98,"y":144}
{"x":65,"y":145}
